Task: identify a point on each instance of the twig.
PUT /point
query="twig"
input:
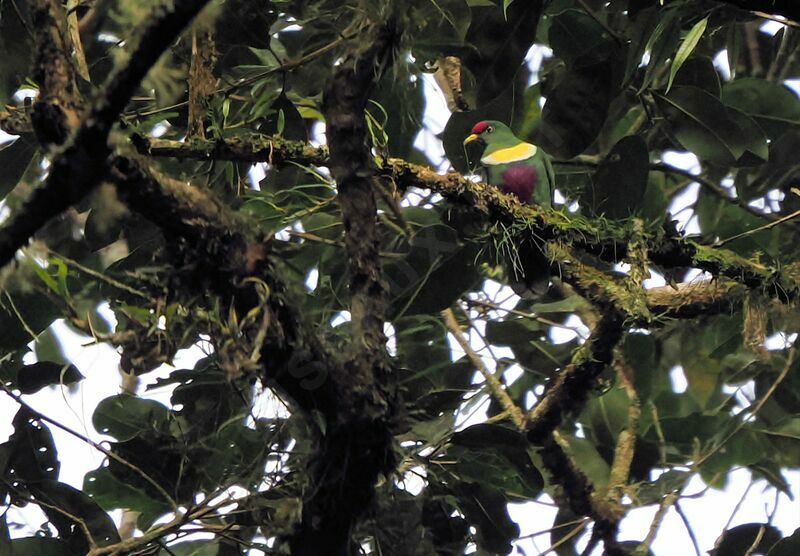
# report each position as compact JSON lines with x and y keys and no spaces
{"x":663,"y":508}
{"x":495,"y":386}
{"x":687,"y":524}
{"x":77,"y":519}
{"x":99,"y":275}
{"x":533,"y":316}
{"x":554,"y":528}
{"x":759,"y":404}
{"x":566,"y":538}
{"x":751,"y":32}
{"x":781,"y":220}
{"x":712,"y":187}
{"x":662,"y":441}
{"x":787,"y":9}
{"x":761,"y":530}
{"x":785,"y":50}
{"x":738,"y":506}
{"x":75,"y":39}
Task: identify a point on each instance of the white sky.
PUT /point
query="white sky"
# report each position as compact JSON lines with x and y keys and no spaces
{"x":708,"y":515}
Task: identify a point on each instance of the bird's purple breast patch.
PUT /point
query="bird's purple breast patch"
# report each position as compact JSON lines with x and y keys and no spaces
{"x":520,"y":180}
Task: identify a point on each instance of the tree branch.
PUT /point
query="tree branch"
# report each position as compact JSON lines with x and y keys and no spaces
{"x":579,"y":492}
{"x":606,"y":240}
{"x":570,"y":390}
{"x":216,"y":248}
{"x":59,"y":106}
{"x":81,"y":166}
{"x":357,"y":447}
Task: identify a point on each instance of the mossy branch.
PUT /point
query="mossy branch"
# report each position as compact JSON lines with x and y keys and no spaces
{"x":570,"y":390}
{"x":607,"y":240}
{"x":82,"y":164}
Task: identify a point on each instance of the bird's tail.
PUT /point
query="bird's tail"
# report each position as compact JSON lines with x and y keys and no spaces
{"x":529,"y":274}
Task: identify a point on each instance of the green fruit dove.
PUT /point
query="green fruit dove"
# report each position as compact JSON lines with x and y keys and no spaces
{"x":523,"y":170}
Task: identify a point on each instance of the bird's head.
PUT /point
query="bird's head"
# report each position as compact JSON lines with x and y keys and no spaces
{"x":491,"y":133}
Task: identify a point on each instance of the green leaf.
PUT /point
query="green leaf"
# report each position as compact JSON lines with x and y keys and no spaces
{"x":195,"y":548}
{"x":702,"y":374}
{"x":438,"y":27}
{"x":788,"y":546}
{"x":588,"y":459}
{"x":16,"y":45}
{"x":496,"y":455}
{"x":34,"y":377}
{"x":669,"y":481}
{"x":124,"y":416}
{"x":725,"y":220}
{"x":662,"y":43}
{"x":574,"y":33}
{"x":641,"y":352}
{"x":699,"y":71}
{"x":681,"y":432}
{"x":437,"y":270}
{"x":112,"y":494}
{"x":498,"y":45}
{"x":773,"y":106}
{"x":703,"y":125}
{"x":16,"y":156}
{"x":510,"y":471}
{"x":513,"y":331}
{"x":741,"y":539}
{"x":39,"y":546}
{"x":746,"y":447}
{"x":485,"y":508}
{"x":76,"y":503}
{"x":687,"y":47}
{"x":33,"y":455}
{"x":407,"y":107}
{"x":488,"y":435}
{"x":620,"y":182}
{"x":567,"y":305}
{"x":284,"y":120}
{"x":606,"y":416}
{"x":576,"y":109}
{"x":24,"y":311}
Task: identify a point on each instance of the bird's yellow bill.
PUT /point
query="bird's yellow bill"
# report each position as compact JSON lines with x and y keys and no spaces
{"x":471,"y":138}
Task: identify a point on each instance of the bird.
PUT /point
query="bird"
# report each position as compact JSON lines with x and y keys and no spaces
{"x":523,"y":170}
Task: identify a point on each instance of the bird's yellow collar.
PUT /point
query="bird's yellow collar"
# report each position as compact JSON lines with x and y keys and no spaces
{"x":522,"y":151}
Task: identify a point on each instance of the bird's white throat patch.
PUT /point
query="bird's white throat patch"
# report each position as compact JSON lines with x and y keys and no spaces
{"x":522,"y":151}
